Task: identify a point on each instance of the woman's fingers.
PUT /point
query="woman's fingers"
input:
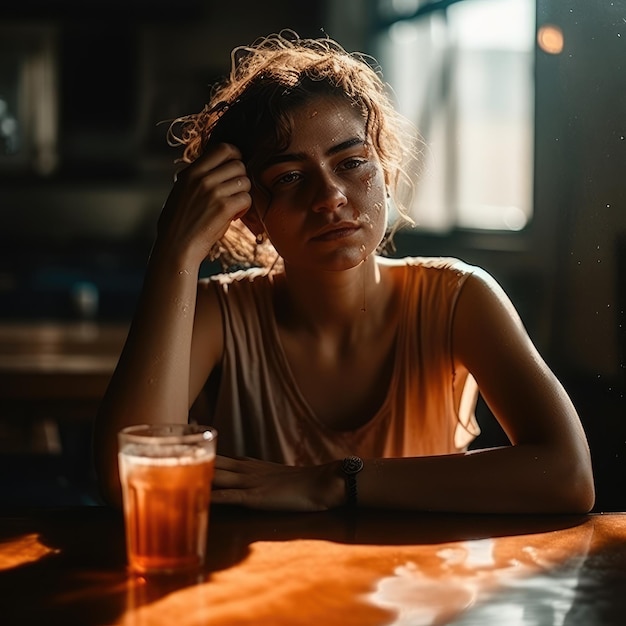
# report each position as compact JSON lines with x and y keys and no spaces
{"x":219,"y":164}
{"x":265,"y":485}
{"x":223,"y":479}
{"x":237,"y":473}
{"x":207,"y":196}
{"x":241,"y":463}
{"x":222,"y":184}
{"x":216,"y":155}
{"x":233,"y":497}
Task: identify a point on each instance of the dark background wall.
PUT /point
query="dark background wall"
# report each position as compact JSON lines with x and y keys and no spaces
{"x":124,"y":66}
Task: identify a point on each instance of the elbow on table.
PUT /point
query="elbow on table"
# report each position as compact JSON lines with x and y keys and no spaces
{"x":574,"y":492}
{"x":584,"y":499}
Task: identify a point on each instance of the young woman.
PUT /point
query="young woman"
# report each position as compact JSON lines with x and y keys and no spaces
{"x":333,"y":375}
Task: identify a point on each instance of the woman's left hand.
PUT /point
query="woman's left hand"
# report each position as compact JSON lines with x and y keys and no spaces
{"x":272,"y":486}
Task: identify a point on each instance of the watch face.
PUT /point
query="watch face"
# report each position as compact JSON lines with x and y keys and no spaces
{"x":352,"y":465}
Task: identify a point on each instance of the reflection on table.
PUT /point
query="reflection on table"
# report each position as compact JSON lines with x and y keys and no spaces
{"x":68,"y":566}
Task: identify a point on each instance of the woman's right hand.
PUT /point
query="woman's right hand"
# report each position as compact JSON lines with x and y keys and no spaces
{"x":206,"y":197}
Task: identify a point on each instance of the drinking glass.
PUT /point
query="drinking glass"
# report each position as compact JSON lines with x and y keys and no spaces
{"x":166,"y":472}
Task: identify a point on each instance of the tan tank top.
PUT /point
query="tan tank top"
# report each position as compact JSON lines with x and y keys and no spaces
{"x":259,"y":412}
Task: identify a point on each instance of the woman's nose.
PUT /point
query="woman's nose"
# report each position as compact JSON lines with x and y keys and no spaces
{"x":329,"y":194}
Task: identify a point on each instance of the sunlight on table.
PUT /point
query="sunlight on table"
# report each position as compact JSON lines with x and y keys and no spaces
{"x":23,"y":550}
{"x":375,"y":585}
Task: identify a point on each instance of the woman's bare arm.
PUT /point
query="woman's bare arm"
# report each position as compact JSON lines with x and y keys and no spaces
{"x":159,"y":373}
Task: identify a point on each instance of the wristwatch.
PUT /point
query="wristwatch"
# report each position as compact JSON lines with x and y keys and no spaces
{"x":350,"y":467}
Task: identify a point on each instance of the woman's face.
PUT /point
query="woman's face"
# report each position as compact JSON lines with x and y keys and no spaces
{"x":326,"y":206}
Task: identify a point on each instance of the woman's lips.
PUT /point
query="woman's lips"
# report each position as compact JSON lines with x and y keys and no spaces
{"x":336,"y":233}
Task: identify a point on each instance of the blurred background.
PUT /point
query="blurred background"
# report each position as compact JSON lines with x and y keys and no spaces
{"x":521,"y":105}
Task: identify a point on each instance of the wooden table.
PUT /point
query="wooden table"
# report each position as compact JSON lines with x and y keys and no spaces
{"x":67,"y":566}
{"x":44,"y":363}
{"x":53,"y":372}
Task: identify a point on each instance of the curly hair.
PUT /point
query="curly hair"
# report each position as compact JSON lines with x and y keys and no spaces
{"x":250,"y":108}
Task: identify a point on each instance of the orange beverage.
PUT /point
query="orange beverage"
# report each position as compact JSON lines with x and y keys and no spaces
{"x":166,"y":474}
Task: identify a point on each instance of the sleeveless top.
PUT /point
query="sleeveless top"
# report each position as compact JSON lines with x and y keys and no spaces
{"x":259,"y":412}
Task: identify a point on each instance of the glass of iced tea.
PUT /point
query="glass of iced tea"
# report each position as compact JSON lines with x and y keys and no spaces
{"x":166,"y":472}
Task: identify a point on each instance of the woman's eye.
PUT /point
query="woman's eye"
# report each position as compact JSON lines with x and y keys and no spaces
{"x":350,"y":164}
{"x":290,"y":177}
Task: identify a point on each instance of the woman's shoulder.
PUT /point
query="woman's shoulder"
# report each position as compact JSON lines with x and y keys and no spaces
{"x":233,"y":290}
{"x":441,"y":265}
{"x":448,"y":277}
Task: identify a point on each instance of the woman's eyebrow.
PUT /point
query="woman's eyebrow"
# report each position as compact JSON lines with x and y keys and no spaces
{"x":344,"y":145}
{"x":285,"y":157}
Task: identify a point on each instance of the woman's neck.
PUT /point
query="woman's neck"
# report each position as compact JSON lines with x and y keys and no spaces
{"x":326,"y":302}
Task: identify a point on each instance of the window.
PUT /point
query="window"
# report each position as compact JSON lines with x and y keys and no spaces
{"x":464,"y":75}
{"x":28,"y":99}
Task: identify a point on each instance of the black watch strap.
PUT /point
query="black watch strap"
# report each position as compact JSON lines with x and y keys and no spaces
{"x":350,"y":467}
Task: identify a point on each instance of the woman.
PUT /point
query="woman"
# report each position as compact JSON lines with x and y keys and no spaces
{"x":335,"y":376}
